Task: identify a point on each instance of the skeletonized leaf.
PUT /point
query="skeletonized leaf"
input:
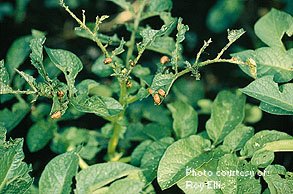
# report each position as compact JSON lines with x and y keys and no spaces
{"x":119,"y":49}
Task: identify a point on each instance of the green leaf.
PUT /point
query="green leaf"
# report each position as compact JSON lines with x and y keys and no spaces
{"x":262,"y":158}
{"x":224,"y":15}
{"x":163,"y":81}
{"x":124,"y":4}
{"x":273,"y":176}
{"x":202,"y":180}
{"x":11,"y":118}
{"x":164,"y":45}
{"x":126,"y":185}
{"x":91,"y":87}
{"x":40,"y":134}
{"x":14,"y":173}
{"x":99,"y":105}
{"x":17,"y":53}
{"x":156,"y":131}
{"x":188,"y":152}
{"x":237,"y":138}
{"x":152,"y":156}
{"x":227,"y":112}
{"x":96,"y":176}
{"x":149,"y":35}
{"x":260,"y":139}
{"x":273,"y":109}
{"x":271,"y":27}
{"x":36,"y":45}
{"x":68,"y":63}
{"x":159,"y":5}
{"x":237,"y":183}
{"x":269,"y":61}
{"x":139,"y":151}
{"x":119,"y":49}
{"x":267,"y":91}
{"x":2,"y":134}
{"x":185,"y":119}
{"x":29,"y":79}
{"x":140,"y":71}
{"x":58,"y":173}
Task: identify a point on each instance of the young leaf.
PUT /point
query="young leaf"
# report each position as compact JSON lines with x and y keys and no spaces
{"x":14,"y":173}
{"x":68,"y":63}
{"x":17,"y":53}
{"x":96,"y":176}
{"x":188,"y":152}
{"x":10,"y":119}
{"x":273,"y":176}
{"x":236,"y":139}
{"x":237,"y":183}
{"x":58,"y":173}
{"x":267,"y":91}
{"x":119,"y":49}
{"x":36,"y":45}
{"x":152,"y":156}
{"x":185,"y":120}
{"x":227,"y":112}
{"x":260,"y":139}
{"x":40,"y":134}
{"x":271,"y":28}
{"x":99,"y":105}
{"x":269,"y":61}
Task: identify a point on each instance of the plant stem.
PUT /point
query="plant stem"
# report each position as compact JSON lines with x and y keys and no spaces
{"x":82,"y":25}
{"x":133,"y":33}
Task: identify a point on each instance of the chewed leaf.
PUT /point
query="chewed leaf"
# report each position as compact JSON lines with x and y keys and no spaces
{"x":162,"y":81}
{"x":182,"y":29}
{"x":271,"y":27}
{"x":36,"y":45}
{"x":99,"y":105}
{"x":68,"y":63}
{"x":119,"y":49}
{"x":233,"y":35}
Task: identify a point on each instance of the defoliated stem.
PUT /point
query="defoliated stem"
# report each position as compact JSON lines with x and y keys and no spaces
{"x":133,"y":33}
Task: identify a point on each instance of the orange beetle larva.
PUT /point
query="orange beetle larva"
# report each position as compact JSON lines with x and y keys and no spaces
{"x":108,"y":60}
{"x":56,"y":115}
{"x":157,"y":99}
{"x":150,"y":91}
{"x":128,"y":84}
{"x":162,"y":92}
{"x":164,"y":60}
{"x":60,"y":93}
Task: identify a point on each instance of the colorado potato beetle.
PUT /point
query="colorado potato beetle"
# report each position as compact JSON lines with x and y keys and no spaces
{"x":56,"y":115}
{"x":162,"y":92}
{"x":108,"y":60}
{"x":128,"y":84}
{"x":157,"y":99}
{"x":164,"y":60}
{"x":60,"y":93}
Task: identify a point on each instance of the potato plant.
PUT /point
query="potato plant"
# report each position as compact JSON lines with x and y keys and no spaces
{"x":151,"y":138}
